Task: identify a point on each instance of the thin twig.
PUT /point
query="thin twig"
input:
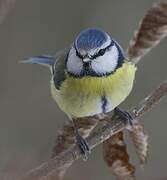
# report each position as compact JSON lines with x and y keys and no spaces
{"x":115,"y":125}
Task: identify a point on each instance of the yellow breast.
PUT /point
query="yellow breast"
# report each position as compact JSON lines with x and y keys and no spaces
{"x":87,"y":96}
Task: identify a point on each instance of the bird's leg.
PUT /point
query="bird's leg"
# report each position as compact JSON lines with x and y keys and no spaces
{"x":82,"y":143}
{"x":125,"y":115}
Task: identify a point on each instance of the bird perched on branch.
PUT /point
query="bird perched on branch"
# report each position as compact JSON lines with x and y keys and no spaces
{"x":90,"y":77}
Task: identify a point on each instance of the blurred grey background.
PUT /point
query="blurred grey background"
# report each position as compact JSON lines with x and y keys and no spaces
{"x":29,"y":118}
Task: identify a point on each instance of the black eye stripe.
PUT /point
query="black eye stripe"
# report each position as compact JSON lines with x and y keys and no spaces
{"x":101,"y":52}
{"x":78,"y":54}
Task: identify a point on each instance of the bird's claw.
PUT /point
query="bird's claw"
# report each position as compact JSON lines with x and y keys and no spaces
{"x":126,"y":115}
{"x":83,"y":145}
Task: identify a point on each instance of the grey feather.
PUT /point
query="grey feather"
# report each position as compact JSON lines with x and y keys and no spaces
{"x":59,"y":69}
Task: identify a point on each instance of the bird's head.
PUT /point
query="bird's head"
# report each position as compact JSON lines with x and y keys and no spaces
{"x":94,"y":53}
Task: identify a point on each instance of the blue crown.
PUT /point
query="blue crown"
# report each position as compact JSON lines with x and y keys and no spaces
{"x":90,"y":39}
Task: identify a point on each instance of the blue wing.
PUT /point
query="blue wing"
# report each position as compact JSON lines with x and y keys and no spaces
{"x":56,"y":63}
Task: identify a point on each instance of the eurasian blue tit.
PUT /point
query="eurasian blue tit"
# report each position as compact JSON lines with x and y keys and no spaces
{"x":90,"y":77}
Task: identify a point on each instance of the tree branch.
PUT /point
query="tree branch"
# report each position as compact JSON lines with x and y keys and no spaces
{"x":115,"y":125}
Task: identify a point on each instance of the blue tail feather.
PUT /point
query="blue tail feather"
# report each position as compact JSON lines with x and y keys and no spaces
{"x":44,"y":60}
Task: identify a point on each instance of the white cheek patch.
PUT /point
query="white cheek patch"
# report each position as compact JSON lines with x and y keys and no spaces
{"x":74,"y":63}
{"x":106,"y":63}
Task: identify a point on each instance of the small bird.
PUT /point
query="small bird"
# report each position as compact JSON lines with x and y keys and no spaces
{"x":90,"y":77}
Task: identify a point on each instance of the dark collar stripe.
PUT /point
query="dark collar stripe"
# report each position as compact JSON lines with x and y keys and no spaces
{"x":104,"y":103}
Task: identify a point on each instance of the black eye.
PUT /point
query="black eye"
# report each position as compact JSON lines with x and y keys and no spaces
{"x":101,"y":52}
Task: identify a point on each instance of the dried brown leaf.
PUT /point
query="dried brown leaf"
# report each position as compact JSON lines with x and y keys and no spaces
{"x":117,"y":158}
{"x":140,"y":140}
{"x":152,"y":29}
{"x":5,"y":7}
